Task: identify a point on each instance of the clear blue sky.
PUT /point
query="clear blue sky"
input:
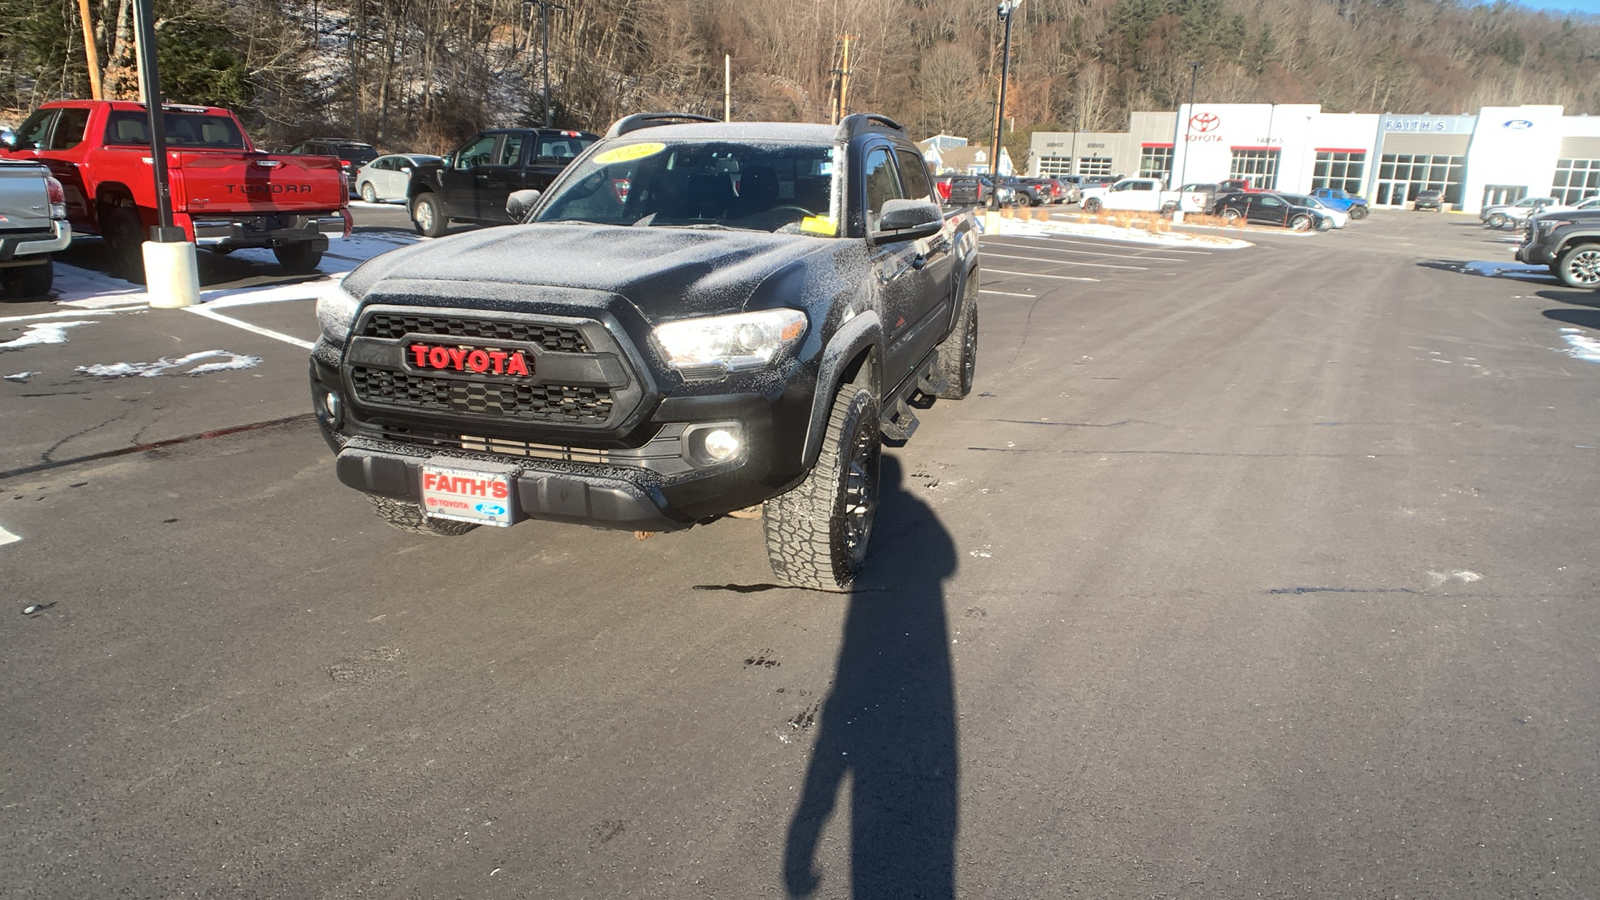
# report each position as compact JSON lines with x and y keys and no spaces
{"x":1583,"y":6}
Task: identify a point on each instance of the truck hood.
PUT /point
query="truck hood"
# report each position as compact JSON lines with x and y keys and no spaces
{"x":665,"y":273}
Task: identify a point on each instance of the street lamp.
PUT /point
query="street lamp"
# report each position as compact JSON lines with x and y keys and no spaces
{"x":544,"y":30}
{"x":1004,"y":11}
{"x":1183,"y":170}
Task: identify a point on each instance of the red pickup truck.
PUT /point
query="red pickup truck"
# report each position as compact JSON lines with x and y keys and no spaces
{"x":225,"y":194}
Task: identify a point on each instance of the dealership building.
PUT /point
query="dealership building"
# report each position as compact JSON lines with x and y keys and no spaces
{"x":1499,"y":155}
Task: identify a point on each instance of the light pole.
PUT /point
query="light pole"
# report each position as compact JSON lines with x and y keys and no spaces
{"x":1183,"y":169}
{"x":1004,"y":10}
{"x":544,"y":38}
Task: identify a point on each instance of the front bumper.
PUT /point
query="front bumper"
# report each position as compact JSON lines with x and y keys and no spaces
{"x":33,"y":244}
{"x":569,"y":494}
{"x":1536,"y":254}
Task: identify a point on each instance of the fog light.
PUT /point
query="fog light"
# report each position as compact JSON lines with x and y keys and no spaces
{"x":330,"y":402}
{"x":722,"y":445}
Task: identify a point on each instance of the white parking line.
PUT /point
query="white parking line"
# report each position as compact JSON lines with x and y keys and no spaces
{"x":74,"y":313}
{"x":7,"y":537}
{"x":1164,"y":248}
{"x":257,"y":329}
{"x":1036,"y":275}
{"x":1064,"y":262}
{"x":1005,"y":293}
{"x":1121,"y":255}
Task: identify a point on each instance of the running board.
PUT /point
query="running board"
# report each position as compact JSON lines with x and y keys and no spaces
{"x":898,"y":422}
{"x":932,"y":381}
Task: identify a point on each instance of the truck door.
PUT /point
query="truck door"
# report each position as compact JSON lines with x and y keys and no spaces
{"x":458,"y":181}
{"x":899,"y":267}
{"x":503,"y":174}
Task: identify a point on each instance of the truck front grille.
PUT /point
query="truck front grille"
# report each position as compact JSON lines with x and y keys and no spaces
{"x":567,"y":404}
{"x":555,"y":338}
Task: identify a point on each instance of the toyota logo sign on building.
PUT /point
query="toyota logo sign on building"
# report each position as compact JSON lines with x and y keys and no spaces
{"x":1204,"y":122}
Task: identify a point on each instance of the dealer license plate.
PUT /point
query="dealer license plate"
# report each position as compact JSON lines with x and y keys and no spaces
{"x":465,"y":495}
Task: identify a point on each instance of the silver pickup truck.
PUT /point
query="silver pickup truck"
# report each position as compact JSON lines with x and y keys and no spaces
{"x":33,"y":225}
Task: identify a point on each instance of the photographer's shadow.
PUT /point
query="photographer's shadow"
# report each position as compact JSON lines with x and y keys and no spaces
{"x":890,"y":721}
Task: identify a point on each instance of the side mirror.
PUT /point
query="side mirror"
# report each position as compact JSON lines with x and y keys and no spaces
{"x":520,"y":203}
{"x":450,"y":160}
{"x":8,"y":139}
{"x":406,"y":169}
{"x":909,"y":219}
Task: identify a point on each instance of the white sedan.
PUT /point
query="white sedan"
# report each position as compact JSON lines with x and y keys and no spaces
{"x":388,"y":177}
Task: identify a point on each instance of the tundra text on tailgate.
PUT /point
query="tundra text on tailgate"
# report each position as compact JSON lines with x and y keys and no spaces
{"x":698,"y":318}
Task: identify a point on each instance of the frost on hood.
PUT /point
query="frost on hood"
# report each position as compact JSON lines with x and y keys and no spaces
{"x":42,"y":333}
{"x":163,"y":365}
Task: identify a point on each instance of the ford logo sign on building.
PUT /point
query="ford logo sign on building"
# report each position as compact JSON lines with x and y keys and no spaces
{"x":1518,"y":124}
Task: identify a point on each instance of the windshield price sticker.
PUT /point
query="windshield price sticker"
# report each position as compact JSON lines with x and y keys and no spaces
{"x":628,"y":153}
{"x":466,"y":496}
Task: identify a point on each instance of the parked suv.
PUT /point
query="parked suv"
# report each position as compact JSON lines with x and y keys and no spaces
{"x":1506,"y":215}
{"x":1433,"y":200}
{"x":352,"y":155}
{"x":697,"y":318}
{"x":1568,"y":243}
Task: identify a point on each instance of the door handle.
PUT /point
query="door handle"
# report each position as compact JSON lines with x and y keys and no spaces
{"x":918,"y":261}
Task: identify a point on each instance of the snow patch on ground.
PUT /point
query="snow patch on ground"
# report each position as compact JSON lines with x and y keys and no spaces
{"x":1505,"y":270}
{"x":1579,"y":345}
{"x":42,"y":333}
{"x":163,"y":365}
{"x":1031,"y":228}
{"x":21,"y":377}
{"x":87,"y":289}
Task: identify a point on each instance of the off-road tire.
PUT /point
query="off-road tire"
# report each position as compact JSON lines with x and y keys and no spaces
{"x":298,"y":258}
{"x":26,"y":282}
{"x":427,"y":214}
{"x":368,"y":193}
{"x":125,"y":242}
{"x":817,"y":534}
{"x":408,"y":516}
{"x":958,"y":352}
{"x":1300,"y":223}
{"x":1358,"y":212}
{"x":1498,"y":220}
{"x":1579,"y":267}
{"x":1092,"y":205}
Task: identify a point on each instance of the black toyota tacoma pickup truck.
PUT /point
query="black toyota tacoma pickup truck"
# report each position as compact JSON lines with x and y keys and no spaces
{"x":697,"y":318}
{"x":472,"y":183}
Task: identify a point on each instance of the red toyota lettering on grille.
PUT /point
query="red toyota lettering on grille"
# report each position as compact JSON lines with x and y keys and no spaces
{"x":470,"y":359}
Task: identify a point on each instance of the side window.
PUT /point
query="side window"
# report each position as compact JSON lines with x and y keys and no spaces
{"x":511,"y":151}
{"x":880,"y":185}
{"x":1125,"y":186}
{"x":33,"y":133}
{"x":558,"y":148}
{"x":914,"y":176}
{"x":1270,"y":202}
{"x":69,"y":129}
{"x":477,"y":153}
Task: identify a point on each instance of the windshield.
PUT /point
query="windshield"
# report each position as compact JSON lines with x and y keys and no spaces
{"x":787,"y":188}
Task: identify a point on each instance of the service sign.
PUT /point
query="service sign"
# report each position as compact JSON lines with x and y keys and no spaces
{"x":467,"y":496}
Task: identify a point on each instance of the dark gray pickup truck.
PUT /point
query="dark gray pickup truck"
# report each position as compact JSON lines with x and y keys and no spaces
{"x":695,"y":319}
{"x":33,"y":225}
{"x":1568,"y":243}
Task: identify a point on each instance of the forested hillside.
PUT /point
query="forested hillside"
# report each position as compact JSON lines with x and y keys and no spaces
{"x":419,"y":74}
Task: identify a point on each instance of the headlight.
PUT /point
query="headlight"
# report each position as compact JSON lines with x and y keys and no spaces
{"x":336,"y":312}
{"x":718,"y":344}
{"x":1548,"y":225}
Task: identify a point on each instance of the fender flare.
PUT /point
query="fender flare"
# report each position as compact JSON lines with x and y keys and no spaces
{"x":860,"y":333}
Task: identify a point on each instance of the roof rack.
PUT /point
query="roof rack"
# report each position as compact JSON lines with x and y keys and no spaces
{"x":648,"y":120}
{"x":852,"y":125}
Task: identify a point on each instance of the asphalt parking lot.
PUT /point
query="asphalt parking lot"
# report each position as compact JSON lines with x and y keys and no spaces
{"x":1243,"y":572}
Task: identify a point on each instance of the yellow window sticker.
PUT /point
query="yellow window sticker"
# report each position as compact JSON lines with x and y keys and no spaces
{"x":628,"y":153}
{"x":819,"y":225}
